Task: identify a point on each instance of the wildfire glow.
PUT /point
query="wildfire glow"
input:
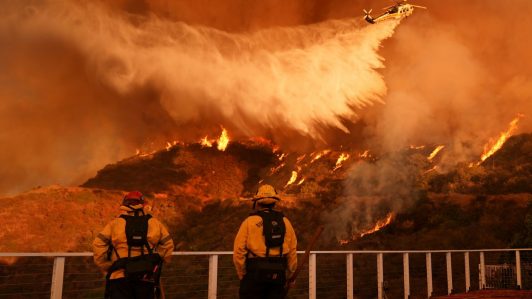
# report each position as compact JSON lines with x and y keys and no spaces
{"x":300,"y":158}
{"x":433,"y":169}
{"x":169,"y":145}
{"x":319,"y":155}
{"x":365,"y":154}
{"x":276,"y":169}
{"x":417,"y":147}
{"x":343,"y":157}
{"x":492,"y":147}
{"x":282,"y":156}
{"x":205,"y":142}
{"x":379,"y":225}
{"x":435,"y":152}
{"x":223,"y":141}
{"x":292,"y":179}
{"x":301,"y":181}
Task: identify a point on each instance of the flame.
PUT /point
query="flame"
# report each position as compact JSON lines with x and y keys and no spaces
{"x":137,"y":152}
{"x":379,"y":225}
{"x":365,"y":154}
{"x":417,"y":147}
{"x":170,"y":145}
{"x":223,"y":141}
{"x":490,"y":148}
{"x":432,"y":169}
{"x":301,"y":181}
{"x":205,"y":142}
{"x":318,"y":155}
{"x":293,"y":178}
{"x":339,"y":163}
{"x":435,"y":152}
{"x":276,"y":169}
{"x":282,"y":156}
{"x":300,"y":158}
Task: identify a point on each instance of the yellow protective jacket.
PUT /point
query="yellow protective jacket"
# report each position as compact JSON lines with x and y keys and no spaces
{"x":115,"y":233}
{"x":250,"y":238}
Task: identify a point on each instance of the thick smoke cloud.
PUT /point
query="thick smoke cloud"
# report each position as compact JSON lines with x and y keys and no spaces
{"x":87,"y":83}
{"x":456,"y":74}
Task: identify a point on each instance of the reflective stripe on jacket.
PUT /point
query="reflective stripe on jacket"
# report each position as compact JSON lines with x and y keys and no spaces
{"x":250,"y":239}
{"x":115,"y":233}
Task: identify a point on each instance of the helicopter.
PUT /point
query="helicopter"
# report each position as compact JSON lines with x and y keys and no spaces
{"x":398,"y":11}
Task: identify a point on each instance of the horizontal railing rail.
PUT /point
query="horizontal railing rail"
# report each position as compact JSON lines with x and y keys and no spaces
{"x":58,"y":273}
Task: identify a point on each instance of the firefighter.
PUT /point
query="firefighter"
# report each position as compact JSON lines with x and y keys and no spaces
{"x":264,"y":251}
{"x":131,"y":249}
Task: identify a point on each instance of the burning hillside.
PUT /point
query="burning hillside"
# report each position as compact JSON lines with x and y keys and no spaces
{"x":358,"y":189}
{"x":357,"y":194}
{"x":357,"y":122}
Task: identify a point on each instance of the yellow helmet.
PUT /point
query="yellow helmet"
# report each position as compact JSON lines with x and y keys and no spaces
{"x":266,"y":195}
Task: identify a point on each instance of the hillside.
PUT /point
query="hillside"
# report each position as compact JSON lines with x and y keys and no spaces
{"x":201,"y":191}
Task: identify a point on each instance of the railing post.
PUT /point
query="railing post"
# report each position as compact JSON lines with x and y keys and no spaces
{"x":56,"y":291}
{"x":482,"y":272}
{"x":312,"y":276}
{"x":449,"y":273}
{"x":380,"y":276}
{"x":467,"y":272}
{"x":428,"y":261}
{"x":349,"y":274}
{"x":406,"y":275}
{"x":213,"y":276}
{"x":518,"y":268}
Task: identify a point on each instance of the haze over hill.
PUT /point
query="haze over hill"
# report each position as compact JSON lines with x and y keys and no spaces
{"x":85,"y":84}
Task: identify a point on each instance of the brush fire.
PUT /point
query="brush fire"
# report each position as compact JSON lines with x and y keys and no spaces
{"x":355,"y":125}
{"x":492,"y":147}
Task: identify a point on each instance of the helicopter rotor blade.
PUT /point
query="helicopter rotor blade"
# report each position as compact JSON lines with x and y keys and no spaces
{"x":418,"y":6}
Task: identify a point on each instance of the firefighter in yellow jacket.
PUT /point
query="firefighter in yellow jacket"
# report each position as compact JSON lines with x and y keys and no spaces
{"x":265,"y":249}
{"x":131,"y":250}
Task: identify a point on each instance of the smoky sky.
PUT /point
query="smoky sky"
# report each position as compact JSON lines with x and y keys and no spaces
{"x":86,"y":83}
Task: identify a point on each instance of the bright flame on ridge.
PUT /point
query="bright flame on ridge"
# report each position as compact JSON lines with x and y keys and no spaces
{"x":435,"y":152}
{"x":343,"y":157}
{"x":319,"y":155}
{"x":223,"y":141}
{"x":205,"y":142}
{"x":379,"y":225}
{"x":292,"y":179}
{"x":490,"y":148}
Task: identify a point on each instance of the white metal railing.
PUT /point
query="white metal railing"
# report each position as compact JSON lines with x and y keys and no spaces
{"x":59,"y":268}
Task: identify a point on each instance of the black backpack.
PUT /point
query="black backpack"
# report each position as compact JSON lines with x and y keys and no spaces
{"x":273,"y":229}
{"x":270,"y":269}
{"x":148,"y":265}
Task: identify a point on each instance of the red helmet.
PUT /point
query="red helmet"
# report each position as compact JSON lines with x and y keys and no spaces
{"x":133,"y":198}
